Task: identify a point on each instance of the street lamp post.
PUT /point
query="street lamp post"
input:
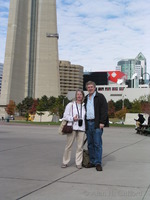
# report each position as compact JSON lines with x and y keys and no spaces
{"x":123,"y":101}
{"x":134,"y":80}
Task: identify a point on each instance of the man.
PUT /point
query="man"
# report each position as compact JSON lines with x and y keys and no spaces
{"x":140,"y":120}
{"x":96,"y":118}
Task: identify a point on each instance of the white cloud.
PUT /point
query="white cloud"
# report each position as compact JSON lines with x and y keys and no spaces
{"x":97,"y":34}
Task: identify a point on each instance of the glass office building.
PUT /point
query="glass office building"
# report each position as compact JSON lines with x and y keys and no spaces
{"x":133,"y":66}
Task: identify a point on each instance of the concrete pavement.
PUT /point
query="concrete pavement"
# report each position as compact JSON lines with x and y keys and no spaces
{"x":30,"y":160}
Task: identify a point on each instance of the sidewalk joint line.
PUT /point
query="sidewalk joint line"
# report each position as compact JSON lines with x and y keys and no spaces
{"x":24,"y":179}
{"x":100,"y":184}
{"x":146,"y":192}
{"x":16,"y":148}
{"x":123,"y":147}
{"x":44,"y":186}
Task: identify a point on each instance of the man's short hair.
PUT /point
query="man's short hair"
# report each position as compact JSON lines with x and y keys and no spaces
{"x":90,"y":83}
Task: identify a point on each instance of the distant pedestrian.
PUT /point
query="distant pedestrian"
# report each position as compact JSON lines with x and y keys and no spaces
{"x":140,"y":120}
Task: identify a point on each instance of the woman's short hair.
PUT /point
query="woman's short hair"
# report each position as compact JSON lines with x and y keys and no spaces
{"x":79,"y":90}
{"x":90,"y":83}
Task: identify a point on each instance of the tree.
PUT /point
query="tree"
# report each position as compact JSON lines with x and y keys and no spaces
{"x":111,"y":108}
{"x":54,"y":110}
{"x":118,"y":105}
{"x":127,"y":104}
{"x":20,"y":109}
{"x":121,"y":113}
{"x":145,"y":107}
{"x":62,"y":102}
{"x":27,"y":116}
{"x":148,"y":98}
{"x":43,"y":104}
{"x":143,"y":98}
{"x":10,"y":108}
{"x":58,"y":107}
{"x":51,"y":101}
{"x":54,"y":105}
{"x":34,"y":107}
{"x":25,"y":105}
{"x":136,"y":107}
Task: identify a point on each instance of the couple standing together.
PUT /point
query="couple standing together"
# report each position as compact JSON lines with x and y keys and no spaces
{"x":90,"y":115}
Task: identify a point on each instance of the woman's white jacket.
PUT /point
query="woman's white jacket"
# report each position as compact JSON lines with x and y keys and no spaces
{"x":70,"y":112}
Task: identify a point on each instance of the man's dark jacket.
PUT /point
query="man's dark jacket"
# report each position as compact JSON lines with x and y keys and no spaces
{"x":101,"y":110}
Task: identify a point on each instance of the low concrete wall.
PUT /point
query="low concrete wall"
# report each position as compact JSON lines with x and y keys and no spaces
{"x":44,"y":118}
{"x":3,"y":112}
{"x":129,"y":119}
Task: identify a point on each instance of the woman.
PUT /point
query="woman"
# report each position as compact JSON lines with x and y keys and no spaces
{"x":75,"y":114}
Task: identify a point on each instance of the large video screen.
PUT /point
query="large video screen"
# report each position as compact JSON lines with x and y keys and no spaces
{"x":100,"y":78}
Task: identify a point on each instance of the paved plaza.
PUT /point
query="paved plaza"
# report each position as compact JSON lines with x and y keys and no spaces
{"x":31,"y":156}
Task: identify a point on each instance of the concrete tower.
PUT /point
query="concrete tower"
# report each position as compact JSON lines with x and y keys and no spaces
{"x":31,"y":66}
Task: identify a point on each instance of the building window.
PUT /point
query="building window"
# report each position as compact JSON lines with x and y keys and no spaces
{"x":107,"y":89}
{"x":114,"y":88}
{"x":100,"y":89}
{"x":121,"y":88}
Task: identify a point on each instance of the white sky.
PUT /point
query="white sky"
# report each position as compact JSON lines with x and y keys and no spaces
{"x":96,"y":34}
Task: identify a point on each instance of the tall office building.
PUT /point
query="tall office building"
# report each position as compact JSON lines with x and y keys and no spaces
{"x":135,"y":69}
{"x":132,"y":66}
{"x":31,"y":66}
{"x":71,"y":77}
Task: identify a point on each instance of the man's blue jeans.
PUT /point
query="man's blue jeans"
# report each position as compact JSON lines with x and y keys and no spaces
{"x":94,"y":137}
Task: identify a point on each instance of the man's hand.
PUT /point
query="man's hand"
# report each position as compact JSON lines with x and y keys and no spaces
{"x":101,"y":126}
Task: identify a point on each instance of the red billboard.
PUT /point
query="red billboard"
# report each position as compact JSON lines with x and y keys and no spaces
{"x":115,"y":75}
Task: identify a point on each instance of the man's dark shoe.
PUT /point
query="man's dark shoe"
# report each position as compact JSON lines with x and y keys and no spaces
{"x":99,"y":167}
{"x":90,"y":165}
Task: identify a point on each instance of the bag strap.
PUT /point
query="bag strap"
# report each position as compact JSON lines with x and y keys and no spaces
{"x":72,"y":112}
{"x":85,"y":141}
{"x":72,"y":109}
{"x":80,"y":111}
